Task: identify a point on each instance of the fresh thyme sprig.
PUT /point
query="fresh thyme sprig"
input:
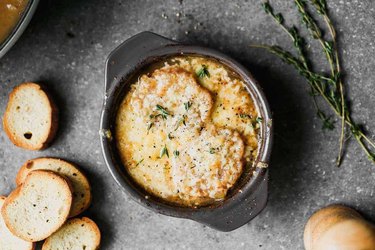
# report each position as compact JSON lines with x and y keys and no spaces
{"x":163,"y":111}
{"x":329,"y":87}
{"x":203,"y":72}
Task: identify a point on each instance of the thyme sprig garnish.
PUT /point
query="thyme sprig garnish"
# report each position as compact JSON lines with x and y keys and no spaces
{"x":259,"y":119}
{"x":203,"y":72}
{"x":254,"y":122}
{"x":164,"y":151}
{"x":180,"y":121}
{"x":187,"y":105}
{"x":163,"y":112}
{"x":328,"y":86}
{"x":139,"y":162}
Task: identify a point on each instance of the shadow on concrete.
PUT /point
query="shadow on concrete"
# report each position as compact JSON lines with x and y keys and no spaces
{"x":99,"y":194}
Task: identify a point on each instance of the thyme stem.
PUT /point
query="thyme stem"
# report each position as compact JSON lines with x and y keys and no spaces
{"x":321,"y":7}
{"x":331,"y":88}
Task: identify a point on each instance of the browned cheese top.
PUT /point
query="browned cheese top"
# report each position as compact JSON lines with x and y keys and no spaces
{"x":186,"y":129}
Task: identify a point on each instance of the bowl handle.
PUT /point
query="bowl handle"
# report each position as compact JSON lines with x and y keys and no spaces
{"x":127,"y":56}
{"x":240,"y":211}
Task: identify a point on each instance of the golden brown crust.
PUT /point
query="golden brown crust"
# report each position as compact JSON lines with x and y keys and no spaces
{"x":322,"y":220}
{"x":16,"y":192}
{"x":53,"y":117}
{"x":24,"y":171}
{"x":10,"y":198}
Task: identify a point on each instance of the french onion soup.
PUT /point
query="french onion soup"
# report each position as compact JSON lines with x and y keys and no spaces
{"x":10,"y":14}
{"x":187,"y":129}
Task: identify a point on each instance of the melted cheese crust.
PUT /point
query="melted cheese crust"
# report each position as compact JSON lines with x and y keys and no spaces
{"x":186,"y":138}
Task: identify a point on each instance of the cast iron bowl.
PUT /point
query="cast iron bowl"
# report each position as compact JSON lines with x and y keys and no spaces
{"x":19,"y":28}
{"x":247,"y":198}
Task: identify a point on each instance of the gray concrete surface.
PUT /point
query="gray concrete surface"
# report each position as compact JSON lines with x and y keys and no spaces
{"x":66,"y":45}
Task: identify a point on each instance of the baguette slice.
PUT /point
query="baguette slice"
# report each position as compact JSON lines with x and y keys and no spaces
{"x":31,"y":117}
{"x":39,"y":207}
{"x":80,"y":184}
{"x":7,"y":240}
{"x":75,"y":234}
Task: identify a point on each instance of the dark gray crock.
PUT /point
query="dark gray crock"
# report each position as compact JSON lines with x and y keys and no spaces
{"x":247,"y":199}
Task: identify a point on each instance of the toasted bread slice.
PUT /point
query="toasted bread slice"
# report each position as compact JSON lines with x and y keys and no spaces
{"x":7,"y":240}
{"x":80,"y":184}
{"x":31,"y":117}
{"x":39,"y":207}
{"x":75,"y":234}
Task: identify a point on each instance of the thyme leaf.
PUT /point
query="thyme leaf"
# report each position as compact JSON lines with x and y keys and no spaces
{"x":187,"y":105}
{"x":139,"y":162}
{"x":170,"y":137}
{"x":164,"y":151}
{"x":162,"y":109}
{"x":243,"y":116}
{"x":203,"y":72}
{"x":327,"y":122}
{"x":149,"y":126}
{"x":163,"y":112}
{"x":259,"y":119}
{"x":212,"y":150}
{"x":176,"y":153}
{"x":182,"y":120}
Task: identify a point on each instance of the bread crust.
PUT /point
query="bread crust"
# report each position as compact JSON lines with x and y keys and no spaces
{"x":32,"y":245}
{"x":24,"y":171}
{"x":53,"y":116}
{"x":93,"y":227}
{"x":16,"y":192}
{"x":327,"y":217}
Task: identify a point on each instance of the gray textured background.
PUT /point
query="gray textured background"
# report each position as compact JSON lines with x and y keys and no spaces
{"x":66,"y":45}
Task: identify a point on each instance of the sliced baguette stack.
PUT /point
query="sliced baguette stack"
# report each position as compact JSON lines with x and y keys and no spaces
{"x":40,"y":206}
{"x":80,"y":185}
{"x":49,"y":192}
